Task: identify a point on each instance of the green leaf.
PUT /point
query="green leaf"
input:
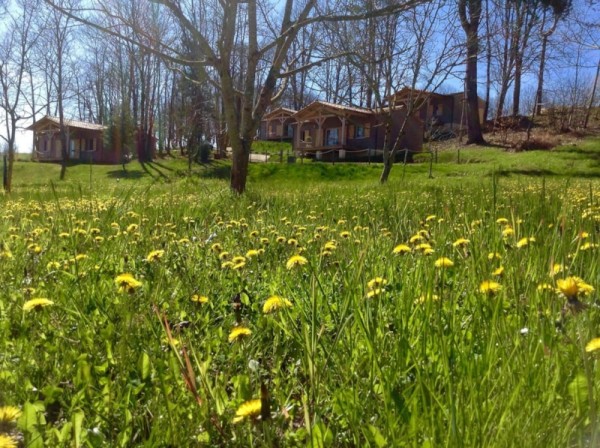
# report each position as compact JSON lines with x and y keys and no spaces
{"x":321,"y":437}
{"x":144,"y":367}
{"x":77,"y":420}
{"x":579,"y":393}
{"x":28,"y":423}
{"x":378,"y":438}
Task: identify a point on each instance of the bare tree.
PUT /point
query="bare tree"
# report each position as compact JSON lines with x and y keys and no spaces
{"x":249,"y":78}
{"x":15,"y":48}
{"x":557,"y":9}
{"x":469,"y":12}
{"x":57,"y":44}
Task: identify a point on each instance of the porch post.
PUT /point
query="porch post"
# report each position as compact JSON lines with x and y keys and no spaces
{"x":343,"y":118}
{"x":319,"y":136}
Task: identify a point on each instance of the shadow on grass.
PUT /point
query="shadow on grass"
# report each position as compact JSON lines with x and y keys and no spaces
{"x":216,"y":170}
{"x":525,"y":172}
{"x":592,"y":174}
{"x":156,"y":173}
{"x":129,"y":174}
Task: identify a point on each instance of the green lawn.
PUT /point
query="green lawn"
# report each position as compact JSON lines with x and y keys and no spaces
{"x":319,"y":309}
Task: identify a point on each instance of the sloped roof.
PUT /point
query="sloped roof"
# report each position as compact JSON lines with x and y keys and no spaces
{"x":279,"y":110}
{"x":68,"y":123}
{"x":332,"y":107}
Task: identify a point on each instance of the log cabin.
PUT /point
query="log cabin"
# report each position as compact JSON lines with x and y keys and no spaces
{"x":327,"y":131}
{"x":84,"y":140}
{"x":441,"y":113}
{"x":277,"y":125}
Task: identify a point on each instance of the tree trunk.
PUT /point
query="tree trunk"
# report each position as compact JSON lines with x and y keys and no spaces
{"x":388,"y":159}
{"x":488,"y":63}
{"x":517,"y":87}
{"x":588,"y":110}
{"x":239,"y":166}
{"x":470,"y":25}
{"x":540,"y":86}
{"x":474,"y":132}
{"x":9,"y":169}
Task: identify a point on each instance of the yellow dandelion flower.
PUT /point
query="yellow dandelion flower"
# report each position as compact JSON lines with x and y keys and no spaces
{"x":416,"y":239}
{"x":330,"y":246}
{"x":584,"y":288}
{"x":239,"y":333}
{"x":275,"y":303}
{"x":254,"y":233}
{"x":377,"y":282}
{"x":502,"y":221}
{"x":227,"y":265}
{"x":509,"y":231}
{"x":216,"y":247}
{"x":7,"y":441}
{"x":34,"y":249}
{"x":252,"y":253}
{"x":249,"y":409}
{"x":224,"y":255}
{"x":557,"y":268}
{"x":239,"y":265}
{"x":264,"y":241}
{"x":428,"y":251}
{"x":461,"y":242}
{"x":430,"y":218}
{"x":498,"y":272}
{"x":524,"y":242}
{"x":374,"y":293}
{"x":568,"y":286}
{"x":593,"y":345}
{"x":127,"y":283}
{"x":402,"y":249}
{"x":199,"y":299}
{"x":423,"y":247}
{"x":6,"y":254}
{"x":155,"y":255}
{"x":494,"y":255}
{"x":489,"y":287}
{"x":296,"y":260}
{"x":443,"y":262}
{"x":544,"y":287}
{"x":345,"y":234}
{"x":281,"y":239}
{"x":9,"y":414}
{"x":37,"y":304}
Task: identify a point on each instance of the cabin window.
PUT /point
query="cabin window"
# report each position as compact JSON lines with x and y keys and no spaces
{"x":290,"y":130}
{"x":331,"y":137}
{"x":359,"y":131}
{"x":306,"y":136}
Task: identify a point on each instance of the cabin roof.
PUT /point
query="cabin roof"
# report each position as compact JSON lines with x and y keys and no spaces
{"x":69,"y":123}
{"x":279,"y":111}
{"x":331,"y":107}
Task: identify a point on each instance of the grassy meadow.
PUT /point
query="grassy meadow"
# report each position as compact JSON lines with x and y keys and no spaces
{"x":152,"y":307}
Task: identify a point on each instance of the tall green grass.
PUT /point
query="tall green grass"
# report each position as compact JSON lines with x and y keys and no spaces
{"x":423,"y":359}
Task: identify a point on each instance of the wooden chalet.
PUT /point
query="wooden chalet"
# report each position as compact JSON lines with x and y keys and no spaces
{"x":328,"y":131}
{"x":84,"y":140}
{"x":439,"y":112}
{"x":277,"y":125}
